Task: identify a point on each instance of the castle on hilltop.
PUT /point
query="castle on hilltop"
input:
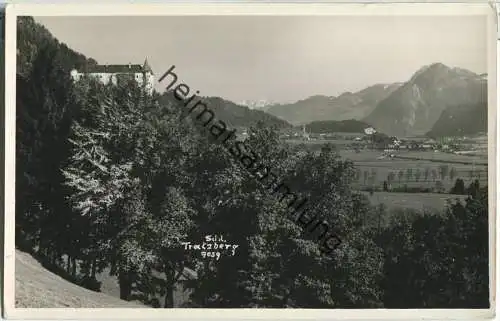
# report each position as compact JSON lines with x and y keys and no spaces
{"x":116,"y":74}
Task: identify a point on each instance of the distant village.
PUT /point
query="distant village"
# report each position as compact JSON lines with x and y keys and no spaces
{"x":373,"y":140}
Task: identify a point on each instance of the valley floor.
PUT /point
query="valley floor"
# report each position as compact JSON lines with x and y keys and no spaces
{"x":416,"y":201}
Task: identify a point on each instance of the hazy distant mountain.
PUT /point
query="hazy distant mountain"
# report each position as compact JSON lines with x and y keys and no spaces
{"x":461,"y":120}
{"x":233,"y":114}
{"x":261,"y":104}
{"x":237,"y":115}
{"x":338,"y":126}
{"x":415,"y":107}
{"x":346,"y":106}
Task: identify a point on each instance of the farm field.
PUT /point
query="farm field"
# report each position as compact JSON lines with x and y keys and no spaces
{"x":415,"y":173}
{"x":368,"y":161}
{"x":423,"y":172}
{"x":423,"y":156}
{"x":382,"y":171}
{"x":416,"y":201}
{"x":316,"y":144}
{"x":440,"y":156}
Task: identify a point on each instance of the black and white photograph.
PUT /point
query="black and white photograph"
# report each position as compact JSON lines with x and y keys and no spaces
{"x":277,"y":160}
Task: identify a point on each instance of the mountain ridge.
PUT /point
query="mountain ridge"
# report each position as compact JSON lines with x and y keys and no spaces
{"x":404,"y":108}
{"x":348,"y":105}
{"x":415,"y":107}
{"x":240,"y":115}
{"x":233,"y":114}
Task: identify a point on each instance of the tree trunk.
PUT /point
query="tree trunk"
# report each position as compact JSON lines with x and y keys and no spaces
{"x":94,"y":268}
{"x":379,"y":221}
{"x":125,"y":282}
{"x":53,"y":260}
{"x":169,"y":297}
{"x":288,"y":293}
{"x":68,"y":264}
{"x":73,"y":268}
{"x":57,"y":258}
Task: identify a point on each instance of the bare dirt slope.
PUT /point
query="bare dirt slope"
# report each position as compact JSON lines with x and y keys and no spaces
{"x":36,"y":287}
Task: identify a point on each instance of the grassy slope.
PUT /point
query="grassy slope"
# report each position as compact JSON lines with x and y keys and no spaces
{"x":36,"y":287}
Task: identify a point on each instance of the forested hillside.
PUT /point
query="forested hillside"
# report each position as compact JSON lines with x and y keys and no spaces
{"x":242,"y":116}
{"x":111,"y":178}
{"x":31,"y":37}
{"x":461,"y":120}
{"x":234,"y":114}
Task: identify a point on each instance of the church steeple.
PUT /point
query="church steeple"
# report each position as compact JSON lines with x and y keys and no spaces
{"x":146,"y":67}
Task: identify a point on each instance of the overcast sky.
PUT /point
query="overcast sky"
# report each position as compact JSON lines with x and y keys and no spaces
{"x":278,"y":58}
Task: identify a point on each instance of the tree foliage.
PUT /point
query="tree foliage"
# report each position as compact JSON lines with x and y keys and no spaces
{"x":434,"y":261}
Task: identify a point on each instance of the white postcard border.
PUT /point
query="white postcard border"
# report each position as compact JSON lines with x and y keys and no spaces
{"x":409,"y":9}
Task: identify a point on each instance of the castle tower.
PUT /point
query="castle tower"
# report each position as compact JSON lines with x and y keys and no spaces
{"x":148,"y":75}
{"x":146,"y":67}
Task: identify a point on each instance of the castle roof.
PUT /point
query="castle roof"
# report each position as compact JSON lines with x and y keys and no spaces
{"x":115,"y":68}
